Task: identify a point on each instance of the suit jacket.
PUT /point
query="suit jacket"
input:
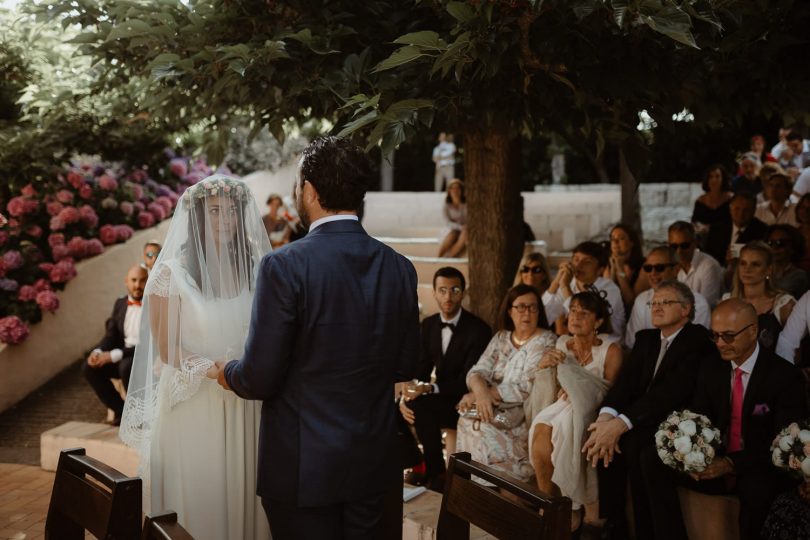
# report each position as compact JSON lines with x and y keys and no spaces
{"x":470,"y":337}
{"x":719,"y":237}
{"x":773,"y":399}
{"x":647,"y":400}
{"x":114,"y":331}
{"x":334,"y":325}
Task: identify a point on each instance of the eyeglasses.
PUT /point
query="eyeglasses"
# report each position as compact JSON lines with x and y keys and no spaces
{"x":521,"y":308}
{"x":453,"y":291}
{"x":777,"y":243}
{"x":657,"y":267}
{"x":662,"y":303}
{"x":728,"y":337}
{"x":682,"y":245}
{"x":151,"y":254}
{"x":532,"y":269}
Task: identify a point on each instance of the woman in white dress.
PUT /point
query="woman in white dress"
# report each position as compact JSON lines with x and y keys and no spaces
{"x":587,"y":362}
{"x":197,"y":442}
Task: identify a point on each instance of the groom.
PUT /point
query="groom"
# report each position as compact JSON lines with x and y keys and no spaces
{"x":334,"y":325}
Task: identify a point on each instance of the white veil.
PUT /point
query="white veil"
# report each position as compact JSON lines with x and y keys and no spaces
{"x":197,"y":303}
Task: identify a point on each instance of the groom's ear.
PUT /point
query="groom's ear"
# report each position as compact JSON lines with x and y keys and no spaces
{"x":310,"y":194}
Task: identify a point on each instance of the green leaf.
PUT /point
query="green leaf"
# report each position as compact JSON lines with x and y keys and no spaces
{"x":359,"y":123}
{"x":399,"y":57}
{"x":87,"y":37}
{"x":461,"y":11}
{"x":129,"y":29}
{"x":238,"y":65}
{"x":424,"y":40}
{"x":673,"y":23}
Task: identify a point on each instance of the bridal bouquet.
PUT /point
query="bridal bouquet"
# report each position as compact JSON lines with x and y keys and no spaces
{"x":791,"y":448}
{"x":687,"y":441}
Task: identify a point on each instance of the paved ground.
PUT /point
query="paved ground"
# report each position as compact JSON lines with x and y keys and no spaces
{"x":25,"y":492}
{"x":66,"y":397}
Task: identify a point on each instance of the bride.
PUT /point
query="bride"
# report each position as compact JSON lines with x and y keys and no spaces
{"x":197,"y":442}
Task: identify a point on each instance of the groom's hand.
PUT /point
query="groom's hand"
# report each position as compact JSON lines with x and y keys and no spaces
{"x":217,"y":372}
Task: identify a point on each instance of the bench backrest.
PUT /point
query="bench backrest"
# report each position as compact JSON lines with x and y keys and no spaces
{"x":164,"y":526}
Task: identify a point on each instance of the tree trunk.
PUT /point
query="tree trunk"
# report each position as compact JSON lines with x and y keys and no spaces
{"x":631,"y":214}
{"x":495,"y":215}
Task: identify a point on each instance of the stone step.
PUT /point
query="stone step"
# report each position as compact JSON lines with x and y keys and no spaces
{"x":99,"y":440}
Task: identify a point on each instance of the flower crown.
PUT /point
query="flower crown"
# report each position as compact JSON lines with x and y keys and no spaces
{"x":217,"y":186}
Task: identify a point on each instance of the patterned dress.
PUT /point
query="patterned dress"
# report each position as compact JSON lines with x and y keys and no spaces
{"x":512,"y":371}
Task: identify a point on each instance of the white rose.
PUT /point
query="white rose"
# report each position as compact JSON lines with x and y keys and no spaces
{"x":776,"y":457}
{"x":688,"y":427}
{"x":708,"y":434}
{"x":785,"y":443}
{"x":804,"y":435}
{"x":694,"y":461}
{"x":806,"y":467}
{"x":683,"y":445}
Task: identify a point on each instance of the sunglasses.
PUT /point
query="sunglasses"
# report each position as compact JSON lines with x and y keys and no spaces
{"x":151,"y":254}
{"x":657,"y":267}
{"x":728,"y":337}
{"x":682,"y":245}
{"x":532,"y":269}
{"x":778,"y":243}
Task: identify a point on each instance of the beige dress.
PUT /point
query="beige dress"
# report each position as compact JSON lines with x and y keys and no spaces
{"x":512,"y":371}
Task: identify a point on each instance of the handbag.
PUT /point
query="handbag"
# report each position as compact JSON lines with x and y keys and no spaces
{"x":507,"y":415}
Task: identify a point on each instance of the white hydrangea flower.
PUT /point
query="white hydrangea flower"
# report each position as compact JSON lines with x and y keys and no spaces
{"x":694,"y":461}
{"x":785,"y":443}
{"x":708,"y":434}
{"x":804,"y":436}
{"x":683,"y":444}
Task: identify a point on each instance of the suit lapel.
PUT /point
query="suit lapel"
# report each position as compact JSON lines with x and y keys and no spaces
{"x":436,"y":340}
{"x":121,"y":313}
{"x":672,"y":352}
{"x":648,"y":366}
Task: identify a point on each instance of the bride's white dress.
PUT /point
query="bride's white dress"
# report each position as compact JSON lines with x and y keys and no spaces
{"x":203,"y":450}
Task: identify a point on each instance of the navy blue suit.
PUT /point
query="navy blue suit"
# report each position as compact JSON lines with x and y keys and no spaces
{"x":334,"y":325}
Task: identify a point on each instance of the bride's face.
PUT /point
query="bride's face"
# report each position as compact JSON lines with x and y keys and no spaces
{"x":222,"y":215}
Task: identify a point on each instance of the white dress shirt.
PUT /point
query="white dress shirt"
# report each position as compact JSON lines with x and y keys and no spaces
{"x":447,"y":335}
{"x":705,"y":276}
{"x":641,"y":316}
{"x":132,"y":326}
{"x":795,"y":329}
{"x":747,"y":367}
{"x":338,"y":217}
{"x":786,"y":215}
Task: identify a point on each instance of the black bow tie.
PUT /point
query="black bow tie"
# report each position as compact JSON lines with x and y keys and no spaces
{"x":449,"y":325}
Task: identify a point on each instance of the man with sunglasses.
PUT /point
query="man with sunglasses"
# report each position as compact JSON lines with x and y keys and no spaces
{"x":657,"y":378}
{"x":700,"y":271}
{"x":660,"y":266}
{"x":150,"y":253}
{"x":452,"y":341}
{"x":749,"y":396}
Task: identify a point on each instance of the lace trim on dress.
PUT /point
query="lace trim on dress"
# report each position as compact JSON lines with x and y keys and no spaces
{"x":187,"y":380}
{"x":159,"y":282}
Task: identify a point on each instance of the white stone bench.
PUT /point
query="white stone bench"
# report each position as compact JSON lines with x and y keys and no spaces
{"x":99,"y":440}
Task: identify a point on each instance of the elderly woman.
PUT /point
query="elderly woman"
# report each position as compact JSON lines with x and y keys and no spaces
{"x":583,"y":365}
{"x":455,"y":214}
{"x":752,"y":282}
{"x":492,"y":426}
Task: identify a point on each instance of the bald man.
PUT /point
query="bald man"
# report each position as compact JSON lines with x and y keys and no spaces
{"x":749,"y":395}
{"x":112,"y":357}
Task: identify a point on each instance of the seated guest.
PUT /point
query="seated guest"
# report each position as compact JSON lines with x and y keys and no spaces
{"x":455,"y":215}
{"x":795,"y":156}
{"x":660,"y":267}
{"x":151,"y":250}
{"x":624,"y":264}
{"x":787,"y":247}
{"x":777,"y":208}
{"x":502,"y":379}
{"x":452,"y":342}
{"x":749,"y":395}
{"x":803,"y":220}
{"x":795,"y":330}
{"x":752,"y":283}
{"x":758,"y":148}
{"x":657,"y":378}
{"x":725,"y":239}
{"x":748,"y":181}
{"x":712,"y":206}
{"x":701,"y":272}
{"x":277,"y":227}
{"x":584,"y":273}
{"x":534,"y":271}
{"x":789,"y":516}
{"x":592,"y":360}
{"x":112,"y":357}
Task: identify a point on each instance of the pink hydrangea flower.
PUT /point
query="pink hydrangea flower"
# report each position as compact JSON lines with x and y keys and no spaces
{"x":126,"y":208}
{"x":53,"y":208}
{"x":166,"y":203}
{"x":108,"y":235}
{"x":3,"y":237}
{"x":43,"y":284}
{"x":47,"y":301}
{"x":27,"y":293}
{"x":137,"y":191}
{"x":13,"y":259}
{"x":56,"y":239}
{"x":33,"y":230}
{"x":157,"y":211}
{"x":75,"y":179}
{"x":88,"y":216}
{"x":60,"y":252}
{"x":28,"y":191}
{"x":94,"y":247}
{"x":179,"y":167}
{"x":77,"y":248}
{"x":107,"y":182}
{"x":139,"y":206}
{"x":69,"y":214}
{"x":46,"y":267}
{"x":145,"y":220}
{"x":124,"y":232}
{"x":56,"y":224}
{"x":138,"y":175}
{"x":13,"y":330}
{"x":86,"y":192}
{"x":16,"y":207}
{"x":64,"y":196}
{"x":63,"y":271}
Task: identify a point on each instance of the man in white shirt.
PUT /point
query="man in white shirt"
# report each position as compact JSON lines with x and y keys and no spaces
{"x":584,"y":273}
{"x":795,"y":329}
{"x":777,"y":208}
{"x":700,"y":271}
{"x":660,"y":267}
{"x":112,"y":357}
{"x":444,"y":156}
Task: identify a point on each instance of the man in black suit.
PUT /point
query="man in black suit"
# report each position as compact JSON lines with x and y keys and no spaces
{"x":657,"y":378}
{"x":452,"y":342}
{"x":335,"y":325}
{"x":112,"y":357}
{"x":742,"y":228}
{"x":749,"y":395}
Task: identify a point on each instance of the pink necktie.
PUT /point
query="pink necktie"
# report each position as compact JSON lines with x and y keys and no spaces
{"x":735,"y":432}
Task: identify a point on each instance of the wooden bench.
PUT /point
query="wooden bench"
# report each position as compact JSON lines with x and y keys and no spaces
{"x":164,"y":526}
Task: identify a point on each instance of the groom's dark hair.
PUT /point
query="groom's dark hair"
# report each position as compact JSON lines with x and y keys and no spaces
{"x":339,"y":171}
